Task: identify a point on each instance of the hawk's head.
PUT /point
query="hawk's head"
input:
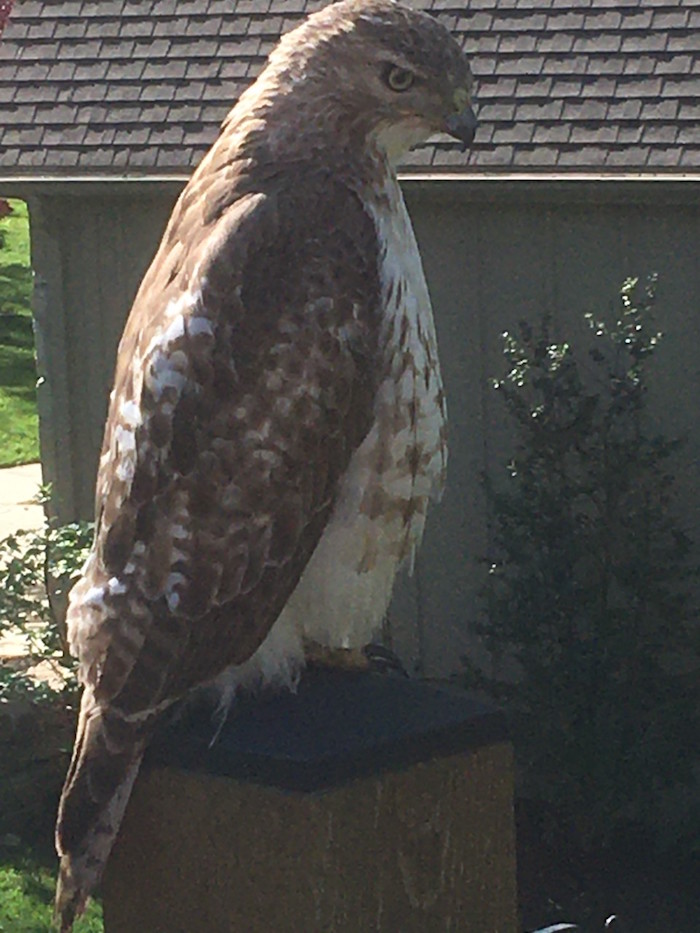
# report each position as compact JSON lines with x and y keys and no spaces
{"x":372,"y":71}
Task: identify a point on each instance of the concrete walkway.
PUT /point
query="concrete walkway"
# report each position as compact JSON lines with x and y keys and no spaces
{"x":19,"y":486}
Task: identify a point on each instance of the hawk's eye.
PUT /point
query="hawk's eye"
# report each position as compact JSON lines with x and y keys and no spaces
{"x":398,"y":79}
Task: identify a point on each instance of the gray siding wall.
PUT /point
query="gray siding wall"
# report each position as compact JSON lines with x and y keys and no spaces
{"x":494,"y":253}
{"x":89,"y":254}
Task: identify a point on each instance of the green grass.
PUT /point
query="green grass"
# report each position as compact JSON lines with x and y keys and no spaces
{"x":15,"y":262}
{"x":26,"y":900}
{"x":19,"y":423}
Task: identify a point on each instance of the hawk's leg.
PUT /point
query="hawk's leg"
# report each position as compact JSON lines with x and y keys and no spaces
{"x":371,"y":657}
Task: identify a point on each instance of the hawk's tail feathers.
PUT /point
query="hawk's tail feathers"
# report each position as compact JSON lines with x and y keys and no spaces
{"x":106,"y":759}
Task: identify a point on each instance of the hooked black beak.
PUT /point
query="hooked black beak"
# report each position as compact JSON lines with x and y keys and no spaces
{"x":462,"y":126}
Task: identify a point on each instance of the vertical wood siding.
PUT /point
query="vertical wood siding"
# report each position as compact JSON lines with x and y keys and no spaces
{"x":493,"y":256}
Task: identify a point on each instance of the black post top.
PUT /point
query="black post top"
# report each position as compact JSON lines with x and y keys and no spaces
{"x":337,"y":726}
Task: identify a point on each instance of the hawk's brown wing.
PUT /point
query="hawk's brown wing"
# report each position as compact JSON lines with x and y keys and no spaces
{"x":245,"y":381}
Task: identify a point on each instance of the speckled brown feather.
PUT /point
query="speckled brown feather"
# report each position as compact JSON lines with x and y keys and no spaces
{"x":274,"y":405}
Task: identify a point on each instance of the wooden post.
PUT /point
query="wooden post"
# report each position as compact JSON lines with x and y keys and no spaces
{"x":363,"y":803}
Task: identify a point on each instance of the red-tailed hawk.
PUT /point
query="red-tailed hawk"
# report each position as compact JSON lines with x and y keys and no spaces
{"x":277,"y":424}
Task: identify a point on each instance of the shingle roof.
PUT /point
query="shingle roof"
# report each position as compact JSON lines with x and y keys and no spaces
{"x":108,"y":87}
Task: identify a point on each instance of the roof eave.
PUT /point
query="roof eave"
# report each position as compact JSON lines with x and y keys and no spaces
{"x":480,"y":183}
{"x":470,"y":175}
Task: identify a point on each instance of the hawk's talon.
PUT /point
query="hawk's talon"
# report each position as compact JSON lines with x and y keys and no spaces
{"x":372,"y":657}
{"x":383,"y":660}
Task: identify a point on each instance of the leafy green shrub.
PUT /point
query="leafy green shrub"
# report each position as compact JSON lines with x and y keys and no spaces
{"x":587,"y":602}
{"x":36,"y":570}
